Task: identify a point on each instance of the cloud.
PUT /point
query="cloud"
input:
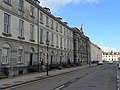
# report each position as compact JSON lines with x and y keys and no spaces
{"x":55,"y":5}
{"x":108,"y":49}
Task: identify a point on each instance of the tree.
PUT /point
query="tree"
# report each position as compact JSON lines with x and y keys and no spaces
{"x":119,"y":58}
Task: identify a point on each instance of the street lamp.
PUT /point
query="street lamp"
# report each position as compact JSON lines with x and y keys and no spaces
{"x":47,"y":43}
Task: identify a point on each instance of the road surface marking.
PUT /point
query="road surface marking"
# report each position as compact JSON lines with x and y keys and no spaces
{"x":60,"y":87}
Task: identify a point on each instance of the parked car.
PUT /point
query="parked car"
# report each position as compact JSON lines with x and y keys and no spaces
{"x":110,"y":62}
{"x":100,"y":63}
{"x":119,"y":66}
{"x":117,"y":62}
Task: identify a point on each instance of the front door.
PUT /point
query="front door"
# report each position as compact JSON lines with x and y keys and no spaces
{"x":51,"y":59}
{"x":31,"y":58}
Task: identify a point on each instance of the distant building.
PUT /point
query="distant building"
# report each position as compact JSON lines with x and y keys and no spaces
{"x":81,"y":47}
{"x":96,"y":52}
{"x":107,"y":56}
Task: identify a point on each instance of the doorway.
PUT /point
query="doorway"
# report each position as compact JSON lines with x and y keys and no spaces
{"x":31,"y":59}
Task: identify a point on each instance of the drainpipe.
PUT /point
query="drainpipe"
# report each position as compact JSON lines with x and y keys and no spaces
{"x":38,"y":38}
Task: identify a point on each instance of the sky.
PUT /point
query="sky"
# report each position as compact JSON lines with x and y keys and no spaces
{"x":100,"y":19}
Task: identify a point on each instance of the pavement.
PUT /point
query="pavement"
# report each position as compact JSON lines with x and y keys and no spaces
{"x":118,"y":78}
{"x":32,"y":77}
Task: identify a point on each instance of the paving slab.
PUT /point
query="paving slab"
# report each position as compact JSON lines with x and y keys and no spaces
{"x":14,"y":81}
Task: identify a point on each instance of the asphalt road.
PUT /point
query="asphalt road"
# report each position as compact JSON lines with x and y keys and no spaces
{"x":102,"y":77}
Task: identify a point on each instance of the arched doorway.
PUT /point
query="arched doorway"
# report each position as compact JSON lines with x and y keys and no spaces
{"x":31,"y":56}
{"x":51,"y":62}
{"x":61,"y":58}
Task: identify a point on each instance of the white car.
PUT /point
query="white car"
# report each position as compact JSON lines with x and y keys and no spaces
{"x":110,"y":62}
{"x":119,"y":66}
{"x":100,"y":63}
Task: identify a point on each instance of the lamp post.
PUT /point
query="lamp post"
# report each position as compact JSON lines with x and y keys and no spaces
{"x":47,"y":43}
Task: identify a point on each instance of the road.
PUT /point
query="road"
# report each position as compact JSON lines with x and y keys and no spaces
{"x":102,"y":77}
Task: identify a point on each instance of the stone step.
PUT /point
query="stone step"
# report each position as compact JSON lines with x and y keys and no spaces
{"x":2,"y":76}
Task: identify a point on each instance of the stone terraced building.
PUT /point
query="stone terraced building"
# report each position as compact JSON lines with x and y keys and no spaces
{"x":30,"y":36}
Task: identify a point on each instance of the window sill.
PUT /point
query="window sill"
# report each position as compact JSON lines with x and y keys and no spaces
{"x":52,"y":45}
{"x":32,"y":40}
{"x":32,"y":16}
{"x":8,"y":3}
{"x":21,"y":10}
{"x":21,"y":37}
{"x":41,"y":22}
{"x":52,"y":28}
{"x":7,"y":34}
{"x":47,"y":26}
{"x":4,"y":63}
{"x":41,"y":43}
{"x":19,"y":63}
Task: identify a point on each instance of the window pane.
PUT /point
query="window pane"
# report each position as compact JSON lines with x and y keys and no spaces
{"x":47,"y":35}
{"x":21,"y":6}
{"x":5,"y":55}
{"x":21,"y":29}
{"x":41,"y":17}
{"x":20,"y":55}
{"x":31,"y":32}
{"x":31,"y":11}
{"x":6,"y":23}
{"x":41,"y":35}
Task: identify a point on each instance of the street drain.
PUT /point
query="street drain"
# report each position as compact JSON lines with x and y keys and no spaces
{"x":92,"y":86}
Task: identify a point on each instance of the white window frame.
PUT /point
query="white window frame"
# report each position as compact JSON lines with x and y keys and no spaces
{"x":64,"y":43}
{"x":20,"y":55}
{"x":47,"y":21}
{"x":52,"y":24}
{"x":31,"y":11}
{"x":61,"y":28}
{"x":20,"y":52}
{"x":52,"y":39}
{"x":61,"y":42}
{"x":41,"y":17}
{"x":7,"y":1}
{"x":31,"y":32}
{"x":21,"y":5}
{"x":41,"y":35}
{"x":56,"y":26}
{"x":6,"y":23}
{"x":47,"y":35}
{"x":5,"y":57}
{"x":57,"y":40}
{"x":21,"y":28}
{"x":65,"y":31}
